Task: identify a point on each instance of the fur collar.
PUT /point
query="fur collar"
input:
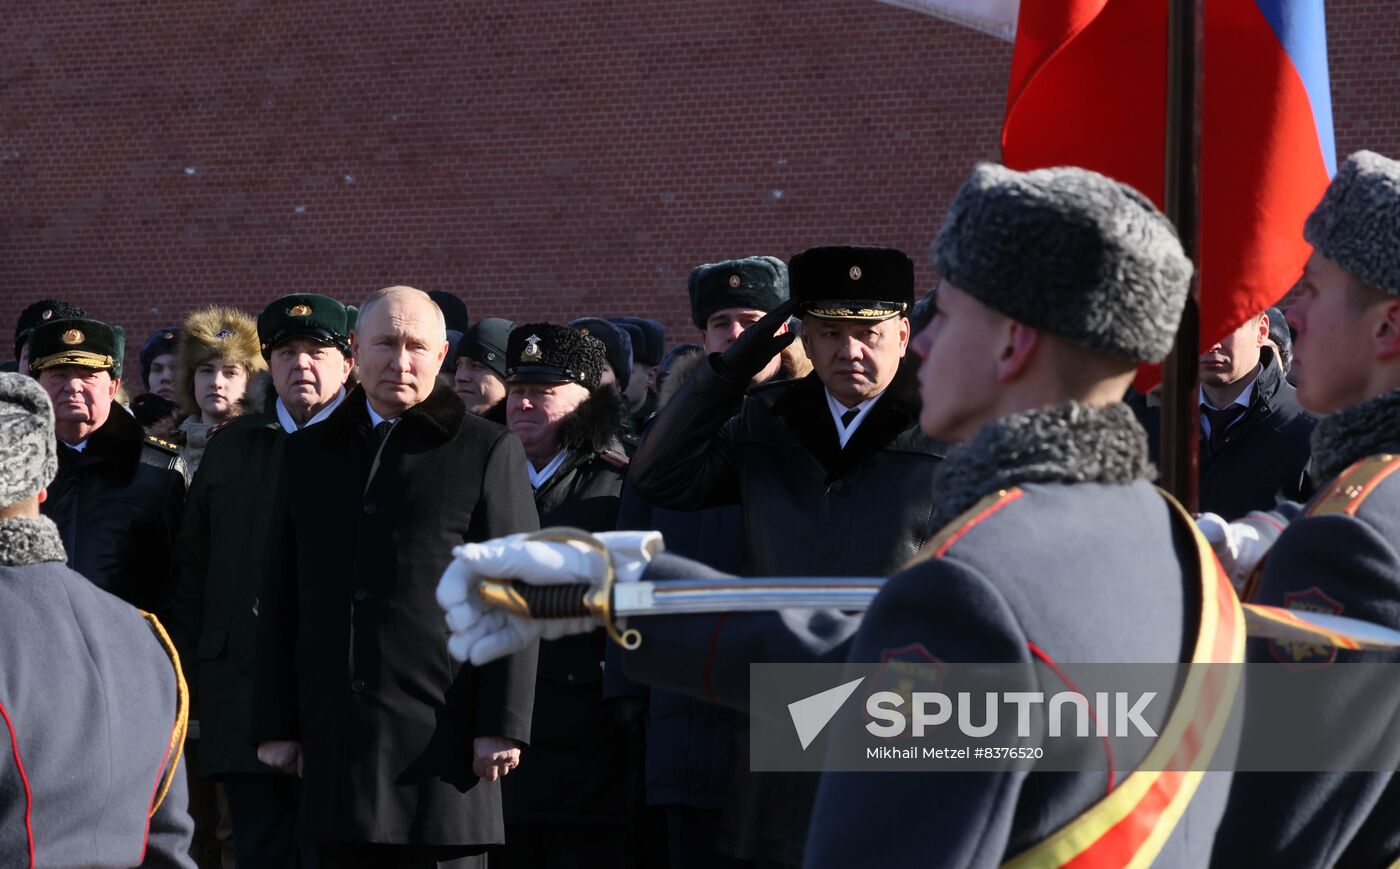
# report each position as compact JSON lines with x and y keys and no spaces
{"x":681,"y":371}
{"x":441,"y":413}
{"x":29,"y":540}
{"x":116,"y":444}
{"x":1066,"y":443}
{"x":594,"y":425}
{"x":1352,"y":434}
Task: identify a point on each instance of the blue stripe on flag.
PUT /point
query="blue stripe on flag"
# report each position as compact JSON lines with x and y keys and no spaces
{"x":1302,"y":31}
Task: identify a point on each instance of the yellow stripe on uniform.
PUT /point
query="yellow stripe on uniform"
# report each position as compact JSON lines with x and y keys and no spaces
{"x":182,"y":712}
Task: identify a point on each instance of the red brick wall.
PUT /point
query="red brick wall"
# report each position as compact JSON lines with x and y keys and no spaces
{"x":541,"y":159}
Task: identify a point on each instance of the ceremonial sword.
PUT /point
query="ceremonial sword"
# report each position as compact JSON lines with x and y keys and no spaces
{"x":611,"y":600}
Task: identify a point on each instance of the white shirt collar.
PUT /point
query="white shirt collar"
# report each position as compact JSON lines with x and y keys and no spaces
{"x":290,"y":425}
{"x":838,"y":410}
{"x":80,"y":446}
{"x":540,"y":477}
{"x":374,"y":418}
{"x":1243,"y":399}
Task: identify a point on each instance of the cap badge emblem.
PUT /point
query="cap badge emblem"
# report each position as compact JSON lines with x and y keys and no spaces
{"x":73,"y":336}
{"x":299,"y":311}
{"x":223,"y":334}
{"x":583,"y":331}
{"x":855,"y":273}
{"x":490,"y":357}
{"x":532,"y":349}
{"x":168,"y":336}
{"x":735,"y":281}
{"x":48,"y":313}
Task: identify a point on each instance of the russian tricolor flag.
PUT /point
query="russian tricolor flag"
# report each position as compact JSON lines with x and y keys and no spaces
{"x":1088,"y":88}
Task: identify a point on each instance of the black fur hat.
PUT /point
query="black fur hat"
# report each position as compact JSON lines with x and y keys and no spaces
{"x":553,"y":353}
{"x":845,"y":282}
{"x":759,"y":282}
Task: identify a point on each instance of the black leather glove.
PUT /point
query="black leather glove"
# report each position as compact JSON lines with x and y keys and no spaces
{"x":757,"y":345}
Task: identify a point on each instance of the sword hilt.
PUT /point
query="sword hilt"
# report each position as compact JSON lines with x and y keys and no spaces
{"x":554,"y":601}
{"x":574,"y":600}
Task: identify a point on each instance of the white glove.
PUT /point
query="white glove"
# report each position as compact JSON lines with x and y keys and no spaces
{"x":482,"y":634}
{"x":1238,"y":545}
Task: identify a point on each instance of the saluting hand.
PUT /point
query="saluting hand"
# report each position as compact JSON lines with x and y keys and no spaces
{"x":757,"y":345}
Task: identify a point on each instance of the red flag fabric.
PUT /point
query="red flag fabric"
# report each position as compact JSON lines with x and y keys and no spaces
{"x":1088,"y":88}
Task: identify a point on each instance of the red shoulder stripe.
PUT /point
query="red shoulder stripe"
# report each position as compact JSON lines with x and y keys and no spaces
{"x":24,"y":780}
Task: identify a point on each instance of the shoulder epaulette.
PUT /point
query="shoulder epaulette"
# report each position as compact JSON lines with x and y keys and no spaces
{"x":614,"y":458}
{"x":161,"y":444}
{"x":1349,"y":491}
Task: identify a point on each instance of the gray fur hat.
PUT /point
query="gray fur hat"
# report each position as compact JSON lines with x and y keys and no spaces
{"x":28,"y":451}
{"x":1357,"y":223}
{"x":1071,"y":252}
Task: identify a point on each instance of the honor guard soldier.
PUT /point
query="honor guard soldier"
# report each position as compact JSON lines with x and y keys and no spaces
{"x":305,"y":341}
{"x":1340,"y":554}
{"x":119,"y":495}
{"x":92,"y":706}
{"x":1056,"y":284}
{"x":480,"y":368}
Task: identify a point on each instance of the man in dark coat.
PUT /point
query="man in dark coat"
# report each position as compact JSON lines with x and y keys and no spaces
{"x":119,"y":495}
{"x":1254,"y":435}
{"x":1340,"y":554}
{"x":1030,"y":264}
{"x":91,"y":702}
{"x":835,"y":457}
{"x":399,"y":747}
{"x":480,"y":368}
{"x":222,"y":552}
{"x":571,"y":802}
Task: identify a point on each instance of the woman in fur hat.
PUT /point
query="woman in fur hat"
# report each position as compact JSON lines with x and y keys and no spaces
{"x":218,"y":362}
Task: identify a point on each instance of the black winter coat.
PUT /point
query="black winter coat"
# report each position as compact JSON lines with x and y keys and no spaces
{"x":118,"y":506}
{"x":1264,"y":459}
{"x":352,"y":645}
{"x":811,"y":508}
{"x":222,"y":552}
{"x":582,"y":765}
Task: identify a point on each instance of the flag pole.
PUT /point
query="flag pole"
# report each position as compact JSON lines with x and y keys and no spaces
{"x":1180,"y":413}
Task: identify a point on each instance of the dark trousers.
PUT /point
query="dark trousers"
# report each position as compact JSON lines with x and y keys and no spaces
{"x":366,"y":855}
{"x":562,"y":846}
{"x":264,"y":810}
{"x":690,"y":839}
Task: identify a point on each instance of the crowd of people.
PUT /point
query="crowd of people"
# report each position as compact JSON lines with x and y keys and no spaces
{"x":285,"y":493}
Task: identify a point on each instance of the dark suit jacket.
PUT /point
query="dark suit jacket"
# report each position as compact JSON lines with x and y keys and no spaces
{"x":352,"y":653}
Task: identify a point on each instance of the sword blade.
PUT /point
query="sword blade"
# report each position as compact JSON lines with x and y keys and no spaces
{"x":702,"y":596}
{"x":675,"y":597}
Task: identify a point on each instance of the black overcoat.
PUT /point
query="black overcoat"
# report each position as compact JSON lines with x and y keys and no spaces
{"x":118,"y":505}
{"x":222,"y":550}
{"x":583,"y":764}
{"x":352,"y":645}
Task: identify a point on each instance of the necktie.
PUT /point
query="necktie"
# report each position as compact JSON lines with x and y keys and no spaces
{"x":1220,"y":420}
{"x":849,"y":417}
{"x":381,"y":431}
